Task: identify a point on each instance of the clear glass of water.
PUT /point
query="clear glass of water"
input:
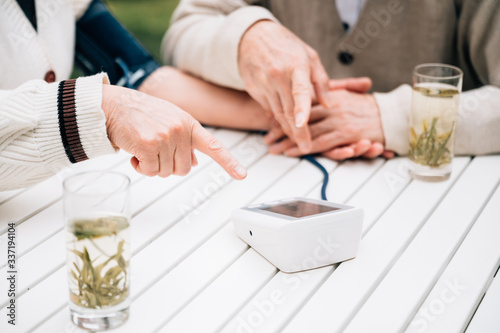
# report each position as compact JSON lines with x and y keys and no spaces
{"x":96,"y":212}
{"x":433,"y":120}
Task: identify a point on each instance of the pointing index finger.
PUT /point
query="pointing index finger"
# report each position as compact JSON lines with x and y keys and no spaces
{"x":302,"y":108}
{"x":301,"y":97}
{"x":209,"y":145}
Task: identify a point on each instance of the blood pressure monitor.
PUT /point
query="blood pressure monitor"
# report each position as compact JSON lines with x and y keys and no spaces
{"x":297,"y":234}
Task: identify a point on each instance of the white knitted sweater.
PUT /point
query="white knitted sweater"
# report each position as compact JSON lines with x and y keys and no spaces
{"x":31,"y":120}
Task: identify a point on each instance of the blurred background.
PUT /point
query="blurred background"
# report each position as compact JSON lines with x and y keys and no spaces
{"x":147,"y":20}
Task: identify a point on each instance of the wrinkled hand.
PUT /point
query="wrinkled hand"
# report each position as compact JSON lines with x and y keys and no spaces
{"x":350,"y":127}
{"x":279,"y":70}
{"x":160,"y":135}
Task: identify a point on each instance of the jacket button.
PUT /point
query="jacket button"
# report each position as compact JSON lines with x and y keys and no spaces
{"x":50,"y":76}
{"x":346,"y":58}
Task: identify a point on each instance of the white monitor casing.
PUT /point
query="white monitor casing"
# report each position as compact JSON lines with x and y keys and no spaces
{"x":295,"y":244}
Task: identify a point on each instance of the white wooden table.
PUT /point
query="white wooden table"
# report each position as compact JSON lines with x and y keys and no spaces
{"x":426,"y":263}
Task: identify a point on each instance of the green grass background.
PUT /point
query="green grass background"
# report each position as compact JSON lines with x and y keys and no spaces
{"x":147,"y":20}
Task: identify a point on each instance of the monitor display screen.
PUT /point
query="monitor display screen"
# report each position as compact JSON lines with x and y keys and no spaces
{"x":298,"y":209}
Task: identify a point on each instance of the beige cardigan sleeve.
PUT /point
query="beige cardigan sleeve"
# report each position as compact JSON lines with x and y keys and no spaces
{"x":31,"y":144}
{"x":204,"y":36}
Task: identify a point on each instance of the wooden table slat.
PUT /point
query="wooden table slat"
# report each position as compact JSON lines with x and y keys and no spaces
{"x":185,"y":281}
{"x":455,"y":296}
{"x":7,"y":195}
{"x":346,"y":177}
{"x":39,"y":197}
{"x":240,"y":281}
{"x":486,"y":318}
{"x":302,"y":179}
{"x":405,"y":287}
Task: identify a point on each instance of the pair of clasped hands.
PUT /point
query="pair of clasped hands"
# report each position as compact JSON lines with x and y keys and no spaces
{"x":286,"y":77}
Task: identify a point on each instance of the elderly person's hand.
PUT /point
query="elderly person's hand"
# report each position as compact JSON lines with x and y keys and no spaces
{"x":349,"y":127}
{"x":160,"y":135}
{"x":283,"y":75}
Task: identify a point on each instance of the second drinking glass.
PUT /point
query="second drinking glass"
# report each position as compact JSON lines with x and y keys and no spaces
{"x":433,"y":120}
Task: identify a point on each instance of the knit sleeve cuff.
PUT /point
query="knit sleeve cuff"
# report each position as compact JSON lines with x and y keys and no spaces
{"x":395,"y":107}
{"x":228,"y":39}
{"x":77,"y":131}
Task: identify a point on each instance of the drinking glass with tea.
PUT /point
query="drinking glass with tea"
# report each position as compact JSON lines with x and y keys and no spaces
{"x":433,"y":120}
{"x":96,"y":212}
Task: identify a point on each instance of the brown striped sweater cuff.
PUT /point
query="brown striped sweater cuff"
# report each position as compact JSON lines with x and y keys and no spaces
{"x":68,"y":125}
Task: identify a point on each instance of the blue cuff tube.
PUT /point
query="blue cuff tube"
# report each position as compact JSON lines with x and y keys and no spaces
{"x":104,"y":45}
